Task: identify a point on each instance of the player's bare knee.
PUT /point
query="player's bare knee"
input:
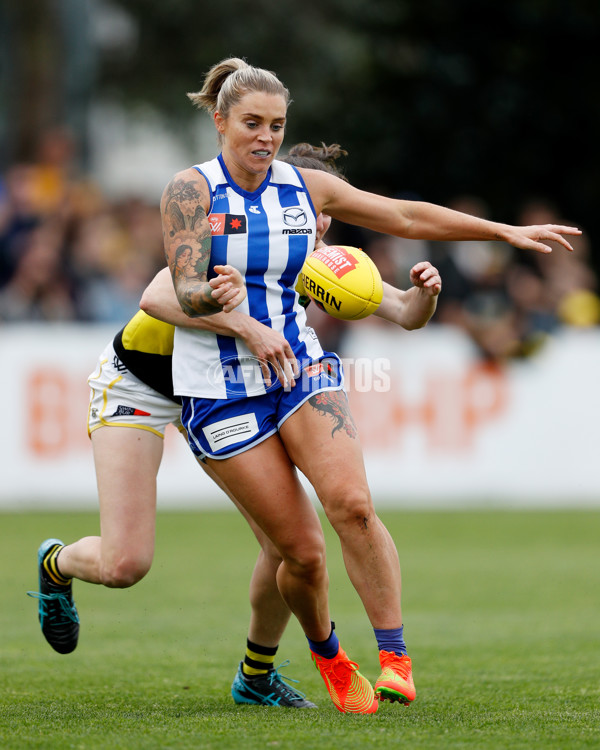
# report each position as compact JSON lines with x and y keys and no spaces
{"x":306,"y":560}
{"x":125,"y":572}
{"x":350,"y":509}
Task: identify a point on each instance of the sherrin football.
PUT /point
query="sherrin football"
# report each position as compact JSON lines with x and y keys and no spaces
{"x":343,"y":281}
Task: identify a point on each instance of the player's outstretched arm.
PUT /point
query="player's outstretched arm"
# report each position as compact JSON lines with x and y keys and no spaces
{"x":414,"y":307}
{"x":431,"y":222}
{"x":421,"y":220}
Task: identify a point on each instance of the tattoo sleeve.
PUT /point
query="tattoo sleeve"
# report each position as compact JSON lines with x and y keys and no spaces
{"x":187,"y":239}
{"x":334,"y":404}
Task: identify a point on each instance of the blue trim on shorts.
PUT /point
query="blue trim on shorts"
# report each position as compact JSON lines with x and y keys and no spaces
{"x":221,"y":428}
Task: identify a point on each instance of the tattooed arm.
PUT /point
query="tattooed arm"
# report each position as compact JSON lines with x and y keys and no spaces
{"x":187,"y":241}
{"x":267,"y":344}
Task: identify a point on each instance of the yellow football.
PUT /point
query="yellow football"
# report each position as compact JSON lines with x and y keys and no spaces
{"x":343,"y":281}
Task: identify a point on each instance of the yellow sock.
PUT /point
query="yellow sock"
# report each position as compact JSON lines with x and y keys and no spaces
{"x":51,"y":567}
{"x":258,"y":659}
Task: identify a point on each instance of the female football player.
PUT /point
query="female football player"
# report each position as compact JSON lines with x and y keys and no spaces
{"x":132,"y":402}
{"x":249,"y":210}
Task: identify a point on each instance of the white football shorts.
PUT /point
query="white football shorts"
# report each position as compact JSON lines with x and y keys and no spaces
{"x":120,"y":399}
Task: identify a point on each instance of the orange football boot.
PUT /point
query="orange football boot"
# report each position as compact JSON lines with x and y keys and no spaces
{"x":395,"y":682}
{"x":349,"y":690}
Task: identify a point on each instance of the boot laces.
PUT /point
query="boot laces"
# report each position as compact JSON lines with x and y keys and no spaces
{"x":64,"y":611}
{"x":283,"y":683}
{"x":338,"y":672}
{"x":399,"y":664}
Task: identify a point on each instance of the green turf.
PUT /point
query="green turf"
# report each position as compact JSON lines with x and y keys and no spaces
{"x":501,"y":619}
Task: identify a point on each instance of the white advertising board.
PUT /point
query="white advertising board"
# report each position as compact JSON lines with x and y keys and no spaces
{"x":438,"y":427}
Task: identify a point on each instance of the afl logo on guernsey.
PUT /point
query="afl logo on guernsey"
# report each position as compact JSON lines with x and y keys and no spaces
{"x":227,"y":224}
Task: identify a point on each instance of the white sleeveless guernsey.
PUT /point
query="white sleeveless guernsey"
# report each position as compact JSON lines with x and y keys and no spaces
{"x":266,"y":235}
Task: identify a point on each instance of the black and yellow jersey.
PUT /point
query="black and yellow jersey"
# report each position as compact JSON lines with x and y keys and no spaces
{"x":145,"y":347}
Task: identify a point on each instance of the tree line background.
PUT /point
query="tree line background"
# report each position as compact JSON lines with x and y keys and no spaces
{"x":431,"y":98}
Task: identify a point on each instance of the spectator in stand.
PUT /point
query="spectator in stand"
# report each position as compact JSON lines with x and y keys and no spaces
{"x":19,"y":215}
{"x":109,"y":275}
{"x":54,"y":171}
{"x":38,"y":289}
{"x":562,"y":292}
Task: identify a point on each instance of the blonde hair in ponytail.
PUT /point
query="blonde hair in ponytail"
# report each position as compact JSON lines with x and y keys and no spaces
{"x":227,"y":82}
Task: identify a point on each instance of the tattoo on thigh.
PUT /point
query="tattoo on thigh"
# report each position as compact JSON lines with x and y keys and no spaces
{"x":334,"y":404}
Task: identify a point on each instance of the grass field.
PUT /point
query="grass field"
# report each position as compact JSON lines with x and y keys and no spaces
{"x":502,"y":615}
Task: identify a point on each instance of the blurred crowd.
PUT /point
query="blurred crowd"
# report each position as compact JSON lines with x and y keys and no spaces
{"x":68,"y":253}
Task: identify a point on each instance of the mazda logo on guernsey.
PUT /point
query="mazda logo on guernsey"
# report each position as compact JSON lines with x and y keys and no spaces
{"x":294,"y":217}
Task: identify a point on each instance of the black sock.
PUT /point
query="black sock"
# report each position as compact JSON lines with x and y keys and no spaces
{"x":50,"y":565}
{"x":258,"y":659}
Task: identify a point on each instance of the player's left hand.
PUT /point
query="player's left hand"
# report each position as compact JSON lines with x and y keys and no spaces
{"x":425,"y":276}
{"x":228,"y":287}
{"x":535,"y":237}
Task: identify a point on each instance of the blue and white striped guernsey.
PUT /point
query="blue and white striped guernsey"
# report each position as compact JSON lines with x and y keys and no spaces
{"x":267,"y":235}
